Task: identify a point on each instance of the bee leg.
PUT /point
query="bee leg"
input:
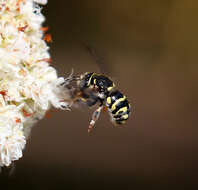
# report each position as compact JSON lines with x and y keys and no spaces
{"x":69,"y":80}
{"x":101,"y":101}
{"x":95,"y":117}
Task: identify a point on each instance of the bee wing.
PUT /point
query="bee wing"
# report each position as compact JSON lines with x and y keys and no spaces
{"x":80,"y":104}
{"x":87,"y":97}
{"x":83,"y":105}
{"x":104,"y":67}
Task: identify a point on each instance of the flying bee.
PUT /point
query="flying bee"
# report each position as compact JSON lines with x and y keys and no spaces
{"x":92,"y":88}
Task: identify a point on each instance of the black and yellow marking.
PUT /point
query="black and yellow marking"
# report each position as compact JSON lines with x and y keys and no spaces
{"x":109,"y":89}
{"x":90,"y":79}
{"x":101,"y":89}
{"x":94,"y":81}
{"x":115,"y":104}
{"x":118,"y":106}
{"x":103,"y":83}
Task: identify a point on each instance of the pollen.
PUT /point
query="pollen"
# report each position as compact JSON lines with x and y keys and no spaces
{"x":3,"y":93}
{"x":48,"y":38}
{"x":18,"y":120}
{"x":26,"y":114}
{"x":44,"y":29}
{"x":22,"y":29}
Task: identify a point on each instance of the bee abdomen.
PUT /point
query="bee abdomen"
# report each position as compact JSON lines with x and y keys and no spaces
{"x":118,"y":106}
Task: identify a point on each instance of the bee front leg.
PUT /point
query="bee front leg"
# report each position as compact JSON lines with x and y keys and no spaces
{"x":95,"y":117}
{"x":71,"y":78}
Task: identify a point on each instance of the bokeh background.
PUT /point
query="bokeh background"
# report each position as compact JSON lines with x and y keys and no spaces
{"x":149,"y":48}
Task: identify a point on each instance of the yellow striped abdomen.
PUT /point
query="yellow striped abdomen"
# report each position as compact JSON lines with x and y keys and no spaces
{"x":118,"y":106}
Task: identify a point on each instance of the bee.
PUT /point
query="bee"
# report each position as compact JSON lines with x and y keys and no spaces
{"x":92,"y":88}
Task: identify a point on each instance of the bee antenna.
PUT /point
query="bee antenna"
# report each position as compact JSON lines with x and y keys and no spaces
{"x":74,"y":77}
{"x":71,"y":74}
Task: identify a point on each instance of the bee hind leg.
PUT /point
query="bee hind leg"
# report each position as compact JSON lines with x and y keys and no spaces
{"x":95,"y":117}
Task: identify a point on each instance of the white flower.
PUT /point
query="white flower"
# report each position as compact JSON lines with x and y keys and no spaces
{"x":28,"y":85}
{"x":12,"y":140}
{"x":43,"y":2}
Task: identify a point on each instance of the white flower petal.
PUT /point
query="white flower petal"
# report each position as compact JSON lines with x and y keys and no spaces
{"x":28,"y":85}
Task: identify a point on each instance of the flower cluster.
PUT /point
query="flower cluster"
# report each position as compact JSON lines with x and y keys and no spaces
{"x":28,"y":85}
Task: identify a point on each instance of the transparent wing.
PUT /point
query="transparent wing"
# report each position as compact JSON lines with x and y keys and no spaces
{"x":104,"y":67}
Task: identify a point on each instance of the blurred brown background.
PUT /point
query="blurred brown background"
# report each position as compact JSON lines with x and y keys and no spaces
{"x":149,"y":48}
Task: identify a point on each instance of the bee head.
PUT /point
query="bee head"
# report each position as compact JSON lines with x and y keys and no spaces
{"x":86,"y":80}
